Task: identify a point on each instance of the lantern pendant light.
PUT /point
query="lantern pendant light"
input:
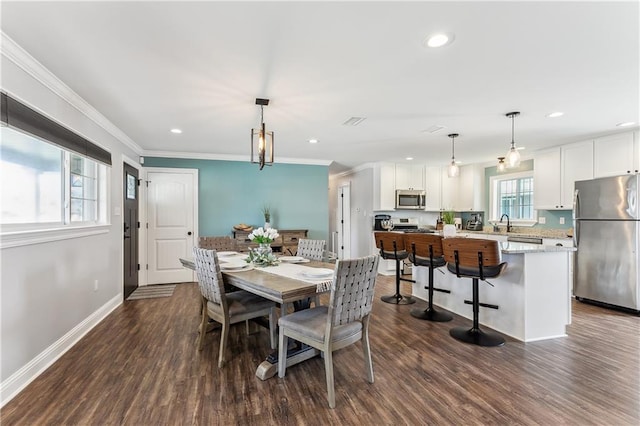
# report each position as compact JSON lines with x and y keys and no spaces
{"x":513,"y":156}
{"x":453,"y":170}
{"x":261,"y":140}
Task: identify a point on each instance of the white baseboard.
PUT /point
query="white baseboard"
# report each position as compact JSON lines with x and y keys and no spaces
{"x":10,"y":387}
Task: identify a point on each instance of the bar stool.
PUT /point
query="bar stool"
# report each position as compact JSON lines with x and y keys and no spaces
{"x":426,"y":250}
{"x":391,"y":245}
{"x":476,"y":259}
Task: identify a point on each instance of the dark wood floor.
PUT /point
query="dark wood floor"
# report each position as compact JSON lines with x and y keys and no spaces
{"x":140,"y":366}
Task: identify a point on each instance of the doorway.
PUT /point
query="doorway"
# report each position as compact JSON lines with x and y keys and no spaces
{"x":131,"y":226}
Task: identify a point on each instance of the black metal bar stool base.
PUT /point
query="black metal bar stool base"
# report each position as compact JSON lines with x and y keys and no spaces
{"x":431,"y":314}
{"x":398,"y":299}
{"x":476,"y":336}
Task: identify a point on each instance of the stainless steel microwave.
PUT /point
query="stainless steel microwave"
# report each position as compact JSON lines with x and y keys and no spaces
{"x":410,"y":199}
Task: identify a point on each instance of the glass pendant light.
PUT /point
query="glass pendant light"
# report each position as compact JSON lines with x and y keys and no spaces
{"x":501,"y":167}
{"x":453,"y":169}
{"x":513,"y":156}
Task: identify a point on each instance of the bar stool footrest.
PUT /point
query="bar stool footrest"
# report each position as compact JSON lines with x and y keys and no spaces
{"x":484,"y":305}
{"x":476,"y":336}
{"x":441,"y":290}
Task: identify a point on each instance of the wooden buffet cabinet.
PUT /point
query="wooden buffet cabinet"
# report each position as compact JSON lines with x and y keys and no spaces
{"x":286,"y":244}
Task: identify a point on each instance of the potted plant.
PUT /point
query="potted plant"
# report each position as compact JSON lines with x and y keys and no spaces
{"x":266,"y":211}
{"x":449,"y":228}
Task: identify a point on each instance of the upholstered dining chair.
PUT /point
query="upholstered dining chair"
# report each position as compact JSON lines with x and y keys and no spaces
{"x":342,"y":323}
{"x":311,"y":249}
{"x":227,"y":308}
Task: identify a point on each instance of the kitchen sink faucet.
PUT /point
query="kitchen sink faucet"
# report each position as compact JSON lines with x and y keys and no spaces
{"x":508,"y":223}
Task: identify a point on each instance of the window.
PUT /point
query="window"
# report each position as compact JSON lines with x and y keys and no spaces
{"x":44,"y":186}
{"x":512,"y":195}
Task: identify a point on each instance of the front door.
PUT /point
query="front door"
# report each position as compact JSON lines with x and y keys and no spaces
{"x":131,"y":225}
{"x":171,"y":201}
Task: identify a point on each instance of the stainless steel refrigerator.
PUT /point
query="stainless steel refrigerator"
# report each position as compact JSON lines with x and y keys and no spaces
{"x":606,"y":233}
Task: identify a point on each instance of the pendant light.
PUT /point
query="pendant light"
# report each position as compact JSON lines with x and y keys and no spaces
{"x":513,"y":156}
{"x":453,"y":170}
{"x":501,"y":167}
{"x":261,"y":140}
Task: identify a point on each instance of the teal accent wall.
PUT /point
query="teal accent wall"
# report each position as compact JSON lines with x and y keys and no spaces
{"x":232,"y":192}
{"x":552,"y":216}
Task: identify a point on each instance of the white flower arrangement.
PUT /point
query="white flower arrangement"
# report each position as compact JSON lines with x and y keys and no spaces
{"x":264,"y":236}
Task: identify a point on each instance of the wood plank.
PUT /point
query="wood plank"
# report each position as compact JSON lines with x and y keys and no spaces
{"x":141,"y":366}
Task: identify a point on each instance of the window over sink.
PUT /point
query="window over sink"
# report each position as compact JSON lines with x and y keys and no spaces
{"x":512,"y":194}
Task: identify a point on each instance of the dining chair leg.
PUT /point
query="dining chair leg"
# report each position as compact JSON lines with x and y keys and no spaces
{"x":272,"y":328}
{"x":203,"y":324}
{"x":282,"y":354}
{"x":366,"y":349}
{"x":224,"y":336}
{"x":316,"y":300}
{"x":328,"y":367}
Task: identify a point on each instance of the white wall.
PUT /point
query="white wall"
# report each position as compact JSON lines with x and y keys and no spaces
{"x":47,"y":295}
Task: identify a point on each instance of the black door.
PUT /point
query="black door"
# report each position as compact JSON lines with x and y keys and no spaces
{"x":131,"y":226}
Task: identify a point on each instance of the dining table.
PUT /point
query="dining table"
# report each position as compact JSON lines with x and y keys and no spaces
{"x":286,"y":283}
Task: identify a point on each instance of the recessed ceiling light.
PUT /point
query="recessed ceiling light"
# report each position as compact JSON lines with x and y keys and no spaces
{"x":626,"y":124}
{"x":409,"y":158}
{"x":313,"y":140}
{"x":438,"y":39}
{"x":176,"y":131}
{"x":555,"y":114}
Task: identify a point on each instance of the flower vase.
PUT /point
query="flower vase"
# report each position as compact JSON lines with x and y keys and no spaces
{"x":449,"y":230}
{"x":267,"y":225}
{"x":263,"y":255}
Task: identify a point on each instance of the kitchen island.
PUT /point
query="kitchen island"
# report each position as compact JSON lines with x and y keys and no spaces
{"x":533,"y":293}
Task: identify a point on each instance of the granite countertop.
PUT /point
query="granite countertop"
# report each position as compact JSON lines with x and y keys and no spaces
{"x":512,"y":247}
{"x":520,"y":232}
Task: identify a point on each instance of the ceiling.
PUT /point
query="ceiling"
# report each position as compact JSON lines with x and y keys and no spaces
{"x":198,"y":66}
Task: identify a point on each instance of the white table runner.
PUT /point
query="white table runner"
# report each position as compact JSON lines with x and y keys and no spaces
{"x":295,"y":271}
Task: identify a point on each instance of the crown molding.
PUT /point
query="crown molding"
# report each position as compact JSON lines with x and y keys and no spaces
{"x":16,"y":54}
{"x":356,"y":169}
{"x":231,"y":157}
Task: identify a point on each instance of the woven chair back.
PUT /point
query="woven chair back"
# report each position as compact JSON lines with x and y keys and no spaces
{"x":209,"y":275}
{"x":311,"y":249}
{"x":352,"y":294}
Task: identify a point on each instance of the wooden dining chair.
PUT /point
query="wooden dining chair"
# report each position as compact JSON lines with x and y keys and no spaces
{"x":227,"y":308}
{"x":342,"y":323}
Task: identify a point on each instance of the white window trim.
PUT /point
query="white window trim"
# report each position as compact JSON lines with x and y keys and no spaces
{"x":39,"y":236}
{"x":493,"y":202}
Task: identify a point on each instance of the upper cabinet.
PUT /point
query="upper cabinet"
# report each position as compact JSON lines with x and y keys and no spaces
{"x":555,"y":171}
{"x":616,"y":155}
{"x":409,"y":176}
{"x":384,"y":186}
{"x":433,"y":188}
{"x":470,"y":189}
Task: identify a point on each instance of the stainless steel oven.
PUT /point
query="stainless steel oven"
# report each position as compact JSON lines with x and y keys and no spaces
{"x":410,"y":199}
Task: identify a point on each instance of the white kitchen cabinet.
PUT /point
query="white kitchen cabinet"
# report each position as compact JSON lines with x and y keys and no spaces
{"x":409,"y":176}
{"x":433,"y":189}
{"x":384,"y":186}
{"x":616,"y":155}
{"x":470,"y":194}
{"x":449,"y":191}
{"x":555,"y":171}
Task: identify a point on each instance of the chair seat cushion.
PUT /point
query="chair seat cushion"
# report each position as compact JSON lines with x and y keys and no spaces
{"x":424,"y":261}
{"x":241,"y":302}
{"x":401,"y":254}
{"x":312,"y":323}
{"x":489,"y":271}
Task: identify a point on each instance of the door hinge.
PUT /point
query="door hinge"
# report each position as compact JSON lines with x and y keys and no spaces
{"x":139,"y":182}
{"x":147,"y":268}
{"x":147,"y":225}
{"x":138,"y":225}
{"x":138,"y":266}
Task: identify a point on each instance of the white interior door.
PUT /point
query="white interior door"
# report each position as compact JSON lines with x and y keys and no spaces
{"x":343,"y":218}
{"x":172,"y":220}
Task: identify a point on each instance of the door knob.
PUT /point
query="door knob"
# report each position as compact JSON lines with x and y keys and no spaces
{"x":189,"y":233}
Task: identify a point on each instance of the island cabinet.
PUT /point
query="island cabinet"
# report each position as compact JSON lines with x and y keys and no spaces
{"x":533,"y":294}
{"x":617,"y":154}
{"x":556,"y":170}
{"x":286,"y":244}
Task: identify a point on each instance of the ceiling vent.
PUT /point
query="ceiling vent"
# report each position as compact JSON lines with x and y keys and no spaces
{"x":433,"y":129}
{"x":354,"y":121}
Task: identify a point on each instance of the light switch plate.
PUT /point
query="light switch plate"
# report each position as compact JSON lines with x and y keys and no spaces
{"x":562,"y":221}
{"x":542,"y":220}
